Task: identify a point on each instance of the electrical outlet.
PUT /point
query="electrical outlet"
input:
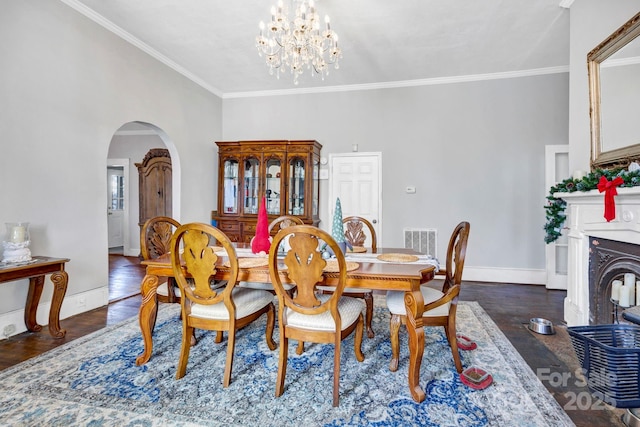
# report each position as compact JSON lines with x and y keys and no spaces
{"x":9,"y":330}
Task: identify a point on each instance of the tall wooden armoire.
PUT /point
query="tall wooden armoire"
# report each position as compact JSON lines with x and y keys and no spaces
{"x":154,"y":173}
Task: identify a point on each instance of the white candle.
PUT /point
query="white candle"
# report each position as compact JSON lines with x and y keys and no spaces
{"x":638,"y":292}
{"x":17,"y":234}
{"x":615,"y":290}
{"x":629,"y":279}
{"x":632,"y":294}
{"x":624,"y":297}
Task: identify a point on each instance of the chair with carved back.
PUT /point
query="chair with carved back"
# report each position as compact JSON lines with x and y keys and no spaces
{"x":276,"y":225}
{"x":439,"y":306}
{"x":310,"y":315}
{"x":283,"y":221}
{"x":155,"y":238}
{"x":215,"y":309}
{"x":355,"y":233}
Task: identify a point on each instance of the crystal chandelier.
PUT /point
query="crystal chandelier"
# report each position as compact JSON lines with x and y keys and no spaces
{"x":298,"y":43}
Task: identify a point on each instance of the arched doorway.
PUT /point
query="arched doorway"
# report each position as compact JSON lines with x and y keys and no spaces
{"x":128,"y":146}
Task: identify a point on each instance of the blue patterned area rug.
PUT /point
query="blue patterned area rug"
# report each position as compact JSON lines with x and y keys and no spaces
{"x":93,"y":381}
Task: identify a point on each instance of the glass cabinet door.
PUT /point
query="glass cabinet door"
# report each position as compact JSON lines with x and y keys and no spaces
{"x":273,"y":186}
{"x":296,"y":187}
{"x":315,"y":211}
{"x":230,"y":186}
{"x":251,"y":185}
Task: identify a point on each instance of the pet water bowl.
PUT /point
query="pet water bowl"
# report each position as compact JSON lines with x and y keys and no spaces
{"x":541,"y":326}
{"x":631,"y":418}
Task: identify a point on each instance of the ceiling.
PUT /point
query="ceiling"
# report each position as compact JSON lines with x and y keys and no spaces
{"x":385,"y":43}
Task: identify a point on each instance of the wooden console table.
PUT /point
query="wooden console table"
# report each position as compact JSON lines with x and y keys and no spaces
{"x":35,"y":272}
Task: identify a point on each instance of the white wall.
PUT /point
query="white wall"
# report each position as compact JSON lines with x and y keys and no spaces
{"x":474,"y":151}
{"x":66,"y":86}
{"x":592,"y":21}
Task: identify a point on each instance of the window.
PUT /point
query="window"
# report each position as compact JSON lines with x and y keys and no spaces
{"x":117,"y":192}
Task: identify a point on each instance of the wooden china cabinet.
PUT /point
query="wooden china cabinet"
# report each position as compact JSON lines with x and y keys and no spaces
{"x":286,"y":173}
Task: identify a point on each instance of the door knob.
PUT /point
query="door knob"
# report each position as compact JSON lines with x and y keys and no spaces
{"x":375,"y":221}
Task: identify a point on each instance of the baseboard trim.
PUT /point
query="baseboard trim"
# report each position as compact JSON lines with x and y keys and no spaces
{"x":505,"y":275}
{"x":132,"y":252}
{"x":12,"y":323}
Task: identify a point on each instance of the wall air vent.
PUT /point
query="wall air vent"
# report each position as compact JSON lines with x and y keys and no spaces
{"x":423,"y":240}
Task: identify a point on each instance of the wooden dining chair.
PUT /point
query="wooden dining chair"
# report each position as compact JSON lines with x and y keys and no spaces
{"x":155,"y":240}
{"x":439,"y":306}
{"x":276,"y":225}
{"x":355,"y":233}
{"x":203,"y":307}
{"x":311,"y":316}
{"x":283,"y":221}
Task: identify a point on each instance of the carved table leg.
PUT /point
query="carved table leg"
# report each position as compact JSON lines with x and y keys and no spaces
{"x":33,"y":298}
{"x":414,"y":304}
{"x":368,"y":298}
{"x":147,"y":316}
{"x":60,"y":280}
{"x":394,"y":337}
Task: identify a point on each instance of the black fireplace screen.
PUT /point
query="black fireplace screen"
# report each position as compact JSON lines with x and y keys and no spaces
{"x":609,"y":260}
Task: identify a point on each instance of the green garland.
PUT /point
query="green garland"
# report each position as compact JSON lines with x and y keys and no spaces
{"x":555,"y":207}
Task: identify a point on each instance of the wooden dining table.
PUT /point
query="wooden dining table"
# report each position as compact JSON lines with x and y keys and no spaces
{"x":383,"y":276}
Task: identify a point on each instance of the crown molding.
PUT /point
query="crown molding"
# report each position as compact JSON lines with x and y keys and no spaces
{"x":110,"y":26}
{"x":101,"y":20}
{"x":402,"y":84}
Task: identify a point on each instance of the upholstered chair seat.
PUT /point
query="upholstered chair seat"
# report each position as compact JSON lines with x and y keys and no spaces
{"x":395,"y":302}
{"x":265,"y":286}
{"x":247,"y":301}
{"x":163,"y":290}
{"x":349,"y":308}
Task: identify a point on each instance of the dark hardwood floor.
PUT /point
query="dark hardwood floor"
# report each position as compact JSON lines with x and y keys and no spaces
{"x":511,"y":306}
{"x":125,"y":275}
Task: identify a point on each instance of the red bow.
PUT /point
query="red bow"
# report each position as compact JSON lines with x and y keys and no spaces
{"x":609,"y":188}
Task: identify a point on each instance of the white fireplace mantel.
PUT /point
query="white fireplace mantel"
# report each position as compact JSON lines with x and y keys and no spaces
{"x":585,"y":218}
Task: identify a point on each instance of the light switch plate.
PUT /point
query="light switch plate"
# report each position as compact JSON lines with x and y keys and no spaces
{"x":410,"y":189}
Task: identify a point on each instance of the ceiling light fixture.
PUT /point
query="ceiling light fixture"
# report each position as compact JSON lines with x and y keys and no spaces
{"x":298,"y":43}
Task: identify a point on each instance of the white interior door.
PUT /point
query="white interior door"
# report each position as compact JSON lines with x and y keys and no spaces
{"x":356,"y":178}
{"x":557,"y":253}
{"x":115,"y":205}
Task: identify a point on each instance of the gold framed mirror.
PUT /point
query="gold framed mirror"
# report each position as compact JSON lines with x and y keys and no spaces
{"x":614,"y":89}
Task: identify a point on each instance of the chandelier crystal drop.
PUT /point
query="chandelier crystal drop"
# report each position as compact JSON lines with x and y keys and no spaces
{"x":298,"y":43}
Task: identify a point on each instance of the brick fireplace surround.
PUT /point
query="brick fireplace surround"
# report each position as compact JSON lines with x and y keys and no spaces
{"x":585,"y":222}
